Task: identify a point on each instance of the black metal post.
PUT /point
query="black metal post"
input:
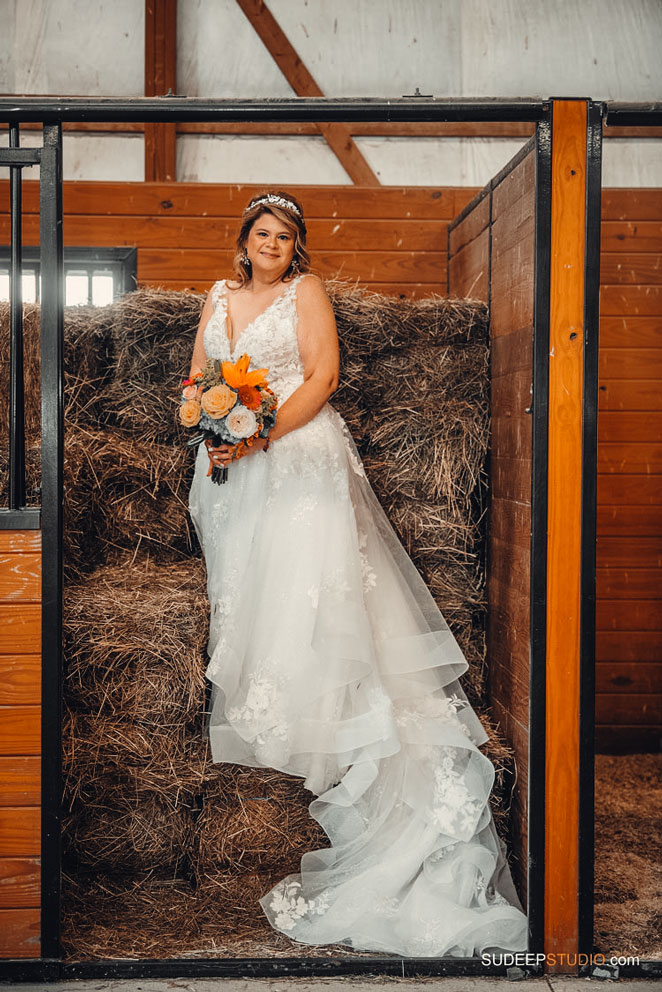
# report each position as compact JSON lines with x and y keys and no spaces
{"x":588,"y":529}
{"x":52,"y":442}
{"x":538,"y":554}
{"x":16,"y":383}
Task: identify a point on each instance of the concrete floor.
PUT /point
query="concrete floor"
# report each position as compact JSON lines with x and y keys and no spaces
{"x":547,"y":983}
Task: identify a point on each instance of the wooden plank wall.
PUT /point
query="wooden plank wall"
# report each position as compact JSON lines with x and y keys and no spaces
{"x":511,"y":213}
{"x":393,"y":239}
{"x":20,"y":735}
{"x":629,"y":504}
{"x":629,"y":549}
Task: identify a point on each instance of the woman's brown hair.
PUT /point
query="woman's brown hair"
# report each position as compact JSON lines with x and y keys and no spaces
{"x":293,"y":222}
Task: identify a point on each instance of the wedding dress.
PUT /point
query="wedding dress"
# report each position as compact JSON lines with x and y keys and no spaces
{"x":330,"y":660}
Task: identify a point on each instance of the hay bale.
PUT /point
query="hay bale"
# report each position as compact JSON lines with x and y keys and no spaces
{"x":153,"y":336}
{"x":252,"y":820}
{"x":122,"y":494}
{"x":88,"y":364}
{"x":134,"y":642}
{"x":160,"y":917}
{"x":120,"y":831}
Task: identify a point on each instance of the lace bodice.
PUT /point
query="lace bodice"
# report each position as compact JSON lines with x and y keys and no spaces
{"x":270,"y":339}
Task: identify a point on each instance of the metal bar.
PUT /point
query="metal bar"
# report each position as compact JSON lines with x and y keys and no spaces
{"x":633,"y":114}
{"x":538,"y":553}
{"x":29,"y":518}
{"x":15,"y":156}
{"x":276,"y":967}
{"x":52,"y":436}
{"x":16,"y":379}
{"x":588,"y":529}
{"x":170,"y":109}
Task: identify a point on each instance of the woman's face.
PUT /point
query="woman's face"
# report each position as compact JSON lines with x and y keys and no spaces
{"x":270,"y":246}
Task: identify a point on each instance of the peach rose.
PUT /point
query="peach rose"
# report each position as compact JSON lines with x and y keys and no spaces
{"x":189,"y":413}
{"x":190,"y":392}
{"x":218,"y":401}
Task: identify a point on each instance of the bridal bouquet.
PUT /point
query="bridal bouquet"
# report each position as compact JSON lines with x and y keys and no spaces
{"x":228,"y":404}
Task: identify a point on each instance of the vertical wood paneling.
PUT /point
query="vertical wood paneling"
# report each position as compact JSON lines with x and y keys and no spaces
{"x":491,"y":252}
{"x":564,"y":525}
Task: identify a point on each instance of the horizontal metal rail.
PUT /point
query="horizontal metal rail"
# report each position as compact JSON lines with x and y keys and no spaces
{"x":633,"y":114}
{"x":171,"y":108}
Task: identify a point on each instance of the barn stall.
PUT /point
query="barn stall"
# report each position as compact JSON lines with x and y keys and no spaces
{"x":505,"y":238}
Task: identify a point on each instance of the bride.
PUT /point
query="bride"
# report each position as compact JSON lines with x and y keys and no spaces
{"x":329,"y":659}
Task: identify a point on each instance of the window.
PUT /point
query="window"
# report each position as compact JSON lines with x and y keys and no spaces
{"x":92,"y":276}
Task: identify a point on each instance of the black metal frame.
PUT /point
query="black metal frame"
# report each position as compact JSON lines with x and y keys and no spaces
{"x":52,"y":112}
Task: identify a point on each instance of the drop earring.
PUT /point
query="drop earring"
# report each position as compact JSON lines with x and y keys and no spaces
{"x":245,"y":260}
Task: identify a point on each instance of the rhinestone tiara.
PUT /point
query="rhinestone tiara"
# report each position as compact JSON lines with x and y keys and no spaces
{"x":278,"y":201}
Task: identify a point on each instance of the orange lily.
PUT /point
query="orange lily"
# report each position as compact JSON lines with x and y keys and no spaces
{"x":237,"y":374}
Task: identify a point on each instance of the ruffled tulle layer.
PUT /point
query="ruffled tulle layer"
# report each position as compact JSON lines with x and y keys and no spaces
{"x":330,"y":660}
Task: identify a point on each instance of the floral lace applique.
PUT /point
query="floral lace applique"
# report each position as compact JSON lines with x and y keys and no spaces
{"x":431,"y":707}
{"x":352,"y":457}
{"x":262,"y":699}
{"x":454,"y":809}
{"x":290,"y":907}
{"x":381,"y":711}
{"x":367,"y":571}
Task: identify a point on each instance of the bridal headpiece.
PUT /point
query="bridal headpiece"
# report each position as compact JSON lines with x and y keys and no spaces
{"x":278,"y":201}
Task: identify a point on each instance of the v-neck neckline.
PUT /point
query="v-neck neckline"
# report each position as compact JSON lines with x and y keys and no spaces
{"x":233,"y":347}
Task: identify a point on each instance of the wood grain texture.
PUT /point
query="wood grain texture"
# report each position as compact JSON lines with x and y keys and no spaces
{"x":20,"y":679}
{"x":639,"y":709}
{"x":622,"y":677}
{"x":469,"y":269}
{"x":500,"y":224}
{"x":20,"y":540}
{"x":20,"y":933}
{"x":620,"y":645}
{"x":643,"y":521}
{"x":20,"y":730}
{"x":228,"y":200}
{"x":20,"y":880}
{"x":19,"y":831}
{"x":20,"y":628}
{"x":20,"y":779}
{"x":629,"y":394}
{"x":219,"y":233}
{"x":20,"y":578}
{"x":564,"y":524}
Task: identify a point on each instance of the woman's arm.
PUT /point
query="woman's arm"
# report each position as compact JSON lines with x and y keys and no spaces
{"x":318,"y":347}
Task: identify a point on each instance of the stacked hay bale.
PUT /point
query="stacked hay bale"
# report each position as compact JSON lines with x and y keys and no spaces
{"x":150,"y":822}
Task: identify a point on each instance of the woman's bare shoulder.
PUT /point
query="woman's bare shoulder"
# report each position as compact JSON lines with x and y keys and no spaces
{"x":310,"y":288}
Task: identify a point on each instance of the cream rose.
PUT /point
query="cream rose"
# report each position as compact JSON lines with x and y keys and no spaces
{"x":218,"y":400}
{"x":189,"y":413}
{"x":242,"y":422}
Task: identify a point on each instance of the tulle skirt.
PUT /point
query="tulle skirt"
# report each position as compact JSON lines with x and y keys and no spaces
{"x":330,"y":660}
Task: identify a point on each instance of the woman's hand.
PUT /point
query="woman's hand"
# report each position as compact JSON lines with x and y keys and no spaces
{"x":221,"y":456}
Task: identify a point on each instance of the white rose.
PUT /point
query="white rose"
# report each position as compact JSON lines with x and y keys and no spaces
{"x":241,"y":422}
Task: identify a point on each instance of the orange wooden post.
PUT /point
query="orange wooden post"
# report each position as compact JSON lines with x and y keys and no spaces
{"x":564,"y":537}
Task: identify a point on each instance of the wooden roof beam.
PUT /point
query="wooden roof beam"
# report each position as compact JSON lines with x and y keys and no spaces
{"x":338,"y":136}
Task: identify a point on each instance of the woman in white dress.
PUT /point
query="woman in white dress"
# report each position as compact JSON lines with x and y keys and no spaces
{"x":329,"y":659}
